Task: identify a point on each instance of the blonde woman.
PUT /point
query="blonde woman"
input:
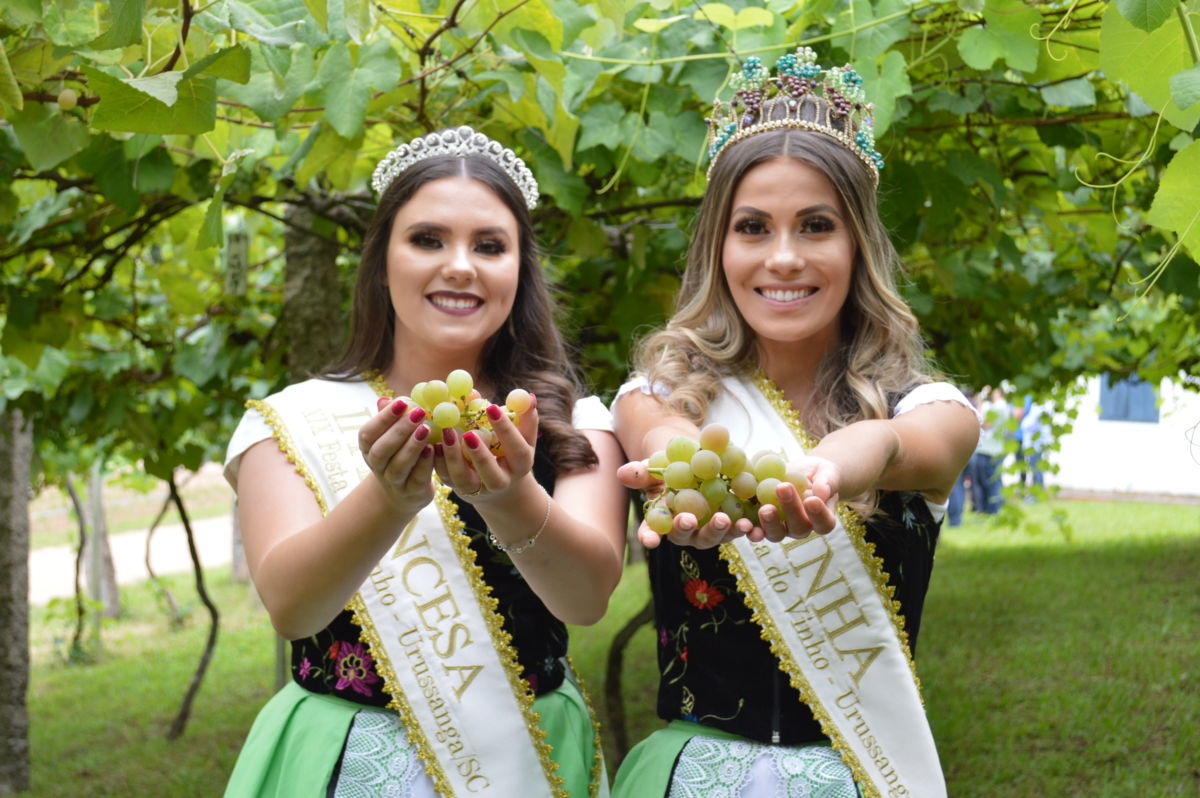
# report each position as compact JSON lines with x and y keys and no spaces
{"x":786,"y":656}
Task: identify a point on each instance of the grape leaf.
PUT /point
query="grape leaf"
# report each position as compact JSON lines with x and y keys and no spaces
{"x":125,"y":108}
{"x":48,"y":136}
{"x":10,"y":92}
{"x":126,"y":28}
{"x":1070,"y":93}
{"x":1185,"y":87}
{"x":872,"y":41}
{"x":1146,"y":14}
{"x":1145,"y":62}
{"x":1176,"y":205}
{"x":1007,"y":33}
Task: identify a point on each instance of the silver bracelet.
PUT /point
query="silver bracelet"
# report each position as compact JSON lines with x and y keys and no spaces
{"x":517,"y":548}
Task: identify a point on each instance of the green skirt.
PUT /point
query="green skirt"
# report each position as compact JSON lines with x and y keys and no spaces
{"x":297,"y":739}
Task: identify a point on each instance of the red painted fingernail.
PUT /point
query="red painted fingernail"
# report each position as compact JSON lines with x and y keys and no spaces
{"x":422,"y":431}
{"x":417,"y":415}
{"x":399,"y":406}
{"x":438,"y":450}
{"x":448,"y":436}
{"x":380,"y":402}
{"x":494,"y":412}
{"x":427,"y":452}
{"x":472,"y":440}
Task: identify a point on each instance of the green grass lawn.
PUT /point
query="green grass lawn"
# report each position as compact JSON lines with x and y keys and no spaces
{"x":1049,"y":668}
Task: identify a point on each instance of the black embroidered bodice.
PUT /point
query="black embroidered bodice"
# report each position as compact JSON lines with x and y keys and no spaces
{"x":714,"y":666}
{"x":336,"y":662}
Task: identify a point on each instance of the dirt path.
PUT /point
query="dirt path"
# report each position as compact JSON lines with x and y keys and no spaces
{"x":52,"y":569}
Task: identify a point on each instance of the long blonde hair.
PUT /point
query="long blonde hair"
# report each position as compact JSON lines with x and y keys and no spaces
{"x":881,"y":355}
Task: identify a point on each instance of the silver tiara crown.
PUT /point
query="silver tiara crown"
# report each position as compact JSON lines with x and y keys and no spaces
{"x":460,"y":142}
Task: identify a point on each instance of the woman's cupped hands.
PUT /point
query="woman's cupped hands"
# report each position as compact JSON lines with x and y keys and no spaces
{"x":795,"y":515}
{"x":481,"y":473}
{"x":397,"y":445}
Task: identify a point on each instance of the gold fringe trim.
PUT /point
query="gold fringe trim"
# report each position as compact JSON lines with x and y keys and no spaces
{"x":501,"y":639}
{"x":399,"y":702}
{"x":288,"y":447}
{"x":852,"y":523}
{"x":767,"y":627}
{"x":598,"y":759}
{"x":770,"y":633}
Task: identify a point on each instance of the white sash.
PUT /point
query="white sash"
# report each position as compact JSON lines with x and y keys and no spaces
{"x":427,"y":615}
{"x":824,"y":605}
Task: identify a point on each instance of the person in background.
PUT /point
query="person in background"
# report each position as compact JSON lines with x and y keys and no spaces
{"x":986,"y":486}
{"x":958,"y":494}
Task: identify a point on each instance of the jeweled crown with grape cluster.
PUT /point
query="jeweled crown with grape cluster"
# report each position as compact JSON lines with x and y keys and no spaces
{"x":460,"y":142}
{"x":829,"y":101}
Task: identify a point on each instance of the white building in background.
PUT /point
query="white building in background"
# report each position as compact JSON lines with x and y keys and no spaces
{"x":1129,"y":438}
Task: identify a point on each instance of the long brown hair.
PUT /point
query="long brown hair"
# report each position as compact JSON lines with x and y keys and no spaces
{"x":881,"y":355}
{"x":527,"y":351}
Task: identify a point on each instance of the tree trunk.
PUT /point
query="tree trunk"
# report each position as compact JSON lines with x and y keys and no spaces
{"x":312,"y":296}
{"x":237,"y":563}
{"x":16,"y":451}
{"x":314,"y":327}
{"x":102,"y":574}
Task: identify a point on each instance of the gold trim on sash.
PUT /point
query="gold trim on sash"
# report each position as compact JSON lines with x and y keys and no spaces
{"x":288,"y":447}
{"x":853,"y":524}
{"x":872,"y":566}
{"x":502,"y":639}
{"x":367,"y":631}
{"x":399,"y":702}
{"x":770,"y":633}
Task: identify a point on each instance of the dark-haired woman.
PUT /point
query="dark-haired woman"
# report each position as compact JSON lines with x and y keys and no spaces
{"x":425,"y":584}
{"x":785,"y":656}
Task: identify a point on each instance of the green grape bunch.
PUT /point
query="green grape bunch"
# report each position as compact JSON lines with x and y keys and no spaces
{"x":711,"y":475}
{"x":455,"y":403}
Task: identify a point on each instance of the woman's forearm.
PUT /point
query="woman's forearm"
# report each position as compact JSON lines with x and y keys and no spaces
{"x":305,"y":579}
{"x":864,"y":452}
{"x":573,"y":566}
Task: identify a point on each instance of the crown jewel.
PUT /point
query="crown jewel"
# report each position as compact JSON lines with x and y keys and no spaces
{"x":800,"y":85}
{"x":460,"y":142}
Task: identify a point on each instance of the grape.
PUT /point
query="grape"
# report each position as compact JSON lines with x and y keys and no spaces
{"x":732,"y":507}
{"x":795,"y":476}
{"x":446,"y":415}
{"x":418,"y":393}
{"x":658,"y":460}
{"x":659,"y":519}
{"x":714,"y":437}
{"x":67,"y":99}
{"x":733,"y":460}
{"x":744,"y":485}
{"x":714,"y":491}
{"x":478,"y":405}
{"x":706,"y":464}
{"x":766,"y":491}
{"x":681,"y":448}
{"x":434,"y":394}
{"x":770,"y":466}
{"x":486,"y":436}
{"x":692,"y":501}
{"x":519,"y":400}
{"x":460,"y":383}
{"x":678,"y":475}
